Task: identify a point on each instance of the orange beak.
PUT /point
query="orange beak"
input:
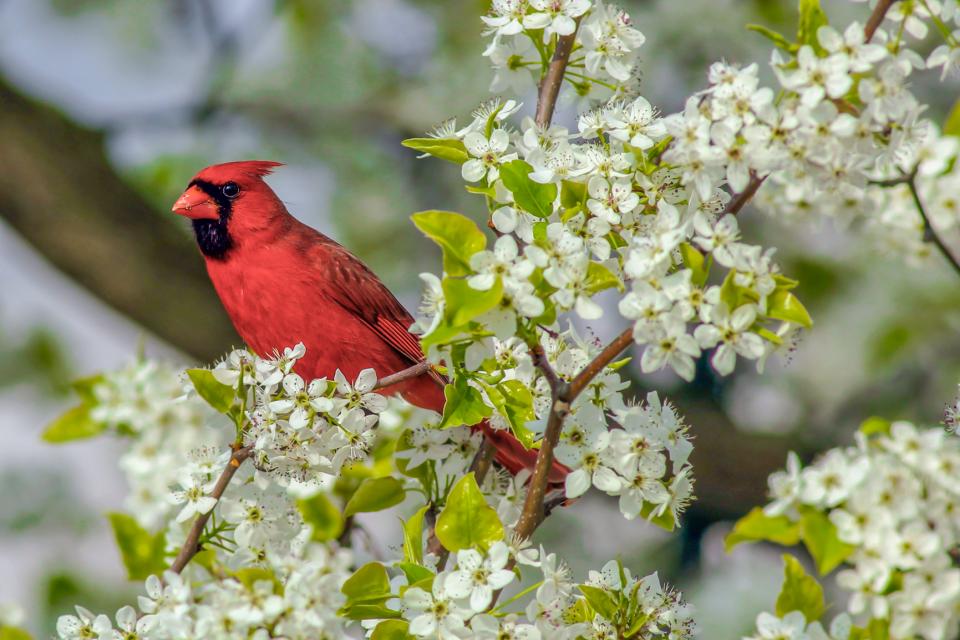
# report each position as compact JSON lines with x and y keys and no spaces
{"x":196,"y":205}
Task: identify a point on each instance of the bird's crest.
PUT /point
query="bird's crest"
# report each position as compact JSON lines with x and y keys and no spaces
{"x":228,"y":170}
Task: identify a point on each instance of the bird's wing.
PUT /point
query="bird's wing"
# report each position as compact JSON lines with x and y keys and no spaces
{"x":357,"y":289}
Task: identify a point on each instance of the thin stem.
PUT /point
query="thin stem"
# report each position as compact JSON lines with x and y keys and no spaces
{"x":740,"y":200}
{"x":402,"y":376}
{"x":191,"y":545}
{"x":550,"y":85}
{"x":562,"y":396}
{"x":929,"y":233}
{"x":482,"y":460}
{"x":873,"y":22}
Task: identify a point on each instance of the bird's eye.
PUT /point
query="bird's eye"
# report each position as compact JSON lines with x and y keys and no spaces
{"x":231,"y":190}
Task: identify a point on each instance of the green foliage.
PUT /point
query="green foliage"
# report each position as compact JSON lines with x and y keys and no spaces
{"x":391,"y":630}
{"x":812,"y":18}
{"x":467,"y":521}
{"x":375,"y":494}
{"x":14,"y":633}
{"x":449,"y":149}
{"x":75,"y":424}
{"x":665,"y":520}
{"x":464,"y":303}
{"x":413,"y":537}
{"x":218,"y":395}
{"x":464,"y":405}
{"x":142,"y":552}
{"x":778,"y":39}
{"x":533,"y":197}
{"x":783,"y":305}
{"x":514,"y":401}
{"x":951,"y":126}
{"x":600,"y":600}
{"x":819,"y":535}
{"x":600,"y":278}
{"x":800,"y":592}
{"x":323,"y":516}
{"x":757,"y":525}
{"x":367,"y":592}
{"x":458,"y":236}
{"x":875,"y":426}
{"x":695,"y":261}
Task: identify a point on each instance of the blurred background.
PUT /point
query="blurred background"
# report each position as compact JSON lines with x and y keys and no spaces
{"x":108,"y":107}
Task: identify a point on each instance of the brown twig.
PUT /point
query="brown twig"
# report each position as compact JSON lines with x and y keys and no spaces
{"x":929,"y":233}
{"x":402,"y":376}
{"x":562,"y":396}
{"x":553,"y":79}
{"x":191,"y":545}
{"x":740,"y":200}
{"x":482,"y":460}
{"x":873,"y":22}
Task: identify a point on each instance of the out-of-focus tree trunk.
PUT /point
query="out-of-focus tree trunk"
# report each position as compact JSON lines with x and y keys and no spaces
{"x":59,"y":191}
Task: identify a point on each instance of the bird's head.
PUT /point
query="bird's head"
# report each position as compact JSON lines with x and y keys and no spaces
{"x":227,"y":202}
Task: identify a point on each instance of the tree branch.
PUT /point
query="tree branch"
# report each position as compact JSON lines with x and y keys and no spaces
{"x":740,"y":200}
{"x":929,"y":233}
{"x":191,"y":545}
{"x":402,"y":376}
{"x":552,"y":81}
{"x":873,"y":22}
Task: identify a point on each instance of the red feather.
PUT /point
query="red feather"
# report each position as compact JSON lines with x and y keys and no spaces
{"x":283,"y":282}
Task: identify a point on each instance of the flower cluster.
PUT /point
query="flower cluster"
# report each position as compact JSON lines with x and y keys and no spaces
{"x":794,"y":626}
{"x":247,"y":605}
{"x":630,"y":201}
{"x":602,"y":65}
{"x":145,"y":404}
{"x":892,"y":504}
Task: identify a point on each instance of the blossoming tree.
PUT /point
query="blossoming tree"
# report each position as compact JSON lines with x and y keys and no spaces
{"x":246,"y":480}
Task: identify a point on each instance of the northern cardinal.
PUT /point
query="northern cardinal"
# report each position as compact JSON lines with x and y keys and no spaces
{"x":283,"y":282}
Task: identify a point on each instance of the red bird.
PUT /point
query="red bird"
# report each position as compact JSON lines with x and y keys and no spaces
{"x":283,"y":282}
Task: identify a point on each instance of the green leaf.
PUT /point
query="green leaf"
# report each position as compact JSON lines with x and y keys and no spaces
{"x":601,"y":601}
{"x":413,"y":537}
{"x":515,"y":403}
{"x":876,"y":629}
{"x":415,"y":572}
{"x":464,"y":303}
{"x":778,"y":39}
{"x":218,"y":395}
{"x":141,"y":551}
{"x":819,"y":535}
{"x":533,"y":197}
{"x":695,"y":261}
{"x":812,"y":18}
{"x":84,"y":388}
{"x":952,"y":125}
{"x":323,"y":516}
{"x":450,"y":149}
{"x":458,"y":237}
{"x":249,"y":576}
{"x":875,"y":426}
{"x":783,"y":305}
{"x":665,"y":520}
{"x":375,"y":494}
{"x":467,"y":521}
{"x":367,"y":591}
{"x":391,"y":630}
{"x":572,"y":194}
{"x":75,"y":424}
{"x":800,"y":592}
{"x":599,"y":278}
{"x":14,"y":633}
{"x":464,"y":405}
{"x":757,"y":525}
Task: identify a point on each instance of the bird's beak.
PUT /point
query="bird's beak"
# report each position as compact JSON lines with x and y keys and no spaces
{"x":196,"y":205}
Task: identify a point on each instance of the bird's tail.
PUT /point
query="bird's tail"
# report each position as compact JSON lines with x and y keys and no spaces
{"x":514,"y":457}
